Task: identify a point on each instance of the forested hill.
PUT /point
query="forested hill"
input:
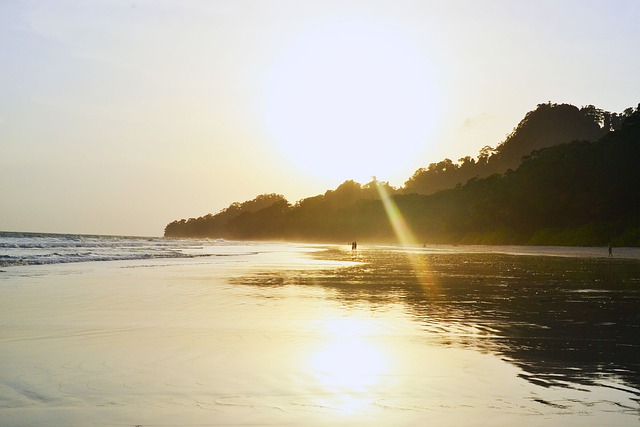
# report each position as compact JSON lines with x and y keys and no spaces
{"x":582,"y":192}
{"x":548,"y":125}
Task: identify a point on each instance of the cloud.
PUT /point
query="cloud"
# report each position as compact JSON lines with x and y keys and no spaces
{"x":478,"y":121}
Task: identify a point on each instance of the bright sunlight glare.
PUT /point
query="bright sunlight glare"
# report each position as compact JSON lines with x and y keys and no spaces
{"x":350,"y":363}
{"x":350,"y":100}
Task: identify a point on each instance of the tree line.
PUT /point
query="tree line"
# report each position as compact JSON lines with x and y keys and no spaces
{"x":573,"y":183}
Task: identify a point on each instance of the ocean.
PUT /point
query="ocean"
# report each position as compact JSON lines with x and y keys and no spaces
{"x":38,"y":248}
{"x":130,"y":331}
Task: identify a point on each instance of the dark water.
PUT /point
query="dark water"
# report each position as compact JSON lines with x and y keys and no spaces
{"x":565,"y":322}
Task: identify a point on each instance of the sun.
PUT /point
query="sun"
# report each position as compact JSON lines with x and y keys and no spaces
{"x":350,"y":100}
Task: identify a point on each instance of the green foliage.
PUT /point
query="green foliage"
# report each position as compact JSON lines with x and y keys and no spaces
{"x":216,"y":225}
{"x":548,"y":125}
{"x":571,"y":193}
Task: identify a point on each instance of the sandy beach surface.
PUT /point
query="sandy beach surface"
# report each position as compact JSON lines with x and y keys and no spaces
{"x":322,"y":335}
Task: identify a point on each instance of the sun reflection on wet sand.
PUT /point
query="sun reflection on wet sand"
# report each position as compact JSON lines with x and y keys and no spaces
{"x":367,"y":365}
{"x":350,"y":364}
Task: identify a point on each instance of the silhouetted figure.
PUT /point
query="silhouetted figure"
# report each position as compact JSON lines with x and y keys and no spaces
{"x":610,"y":250}
{"x":354,"y":246}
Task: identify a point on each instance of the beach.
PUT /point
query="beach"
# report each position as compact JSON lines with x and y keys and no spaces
{"x":292,"y":334}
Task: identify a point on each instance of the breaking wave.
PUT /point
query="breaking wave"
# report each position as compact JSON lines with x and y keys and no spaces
{"x":37,"y":249}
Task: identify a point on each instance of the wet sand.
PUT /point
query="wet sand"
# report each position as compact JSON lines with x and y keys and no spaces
{"x":295,"y":337}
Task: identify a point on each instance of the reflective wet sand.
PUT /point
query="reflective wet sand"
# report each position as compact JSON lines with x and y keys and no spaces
{"x":379,"y":336}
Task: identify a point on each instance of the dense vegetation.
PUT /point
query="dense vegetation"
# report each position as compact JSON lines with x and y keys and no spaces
{"x":564,"y":176}
{"x":546,"y":126}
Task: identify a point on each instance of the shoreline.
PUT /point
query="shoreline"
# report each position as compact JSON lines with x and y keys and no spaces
{"x":597,"y":252}
{"x":207,"y":250}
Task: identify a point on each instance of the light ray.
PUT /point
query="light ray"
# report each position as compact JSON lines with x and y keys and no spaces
{"x":400,"y":227}
{"x":405,"y":235}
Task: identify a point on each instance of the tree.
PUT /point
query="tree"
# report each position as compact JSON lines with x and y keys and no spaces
{"x":562,"y":192}
{"x":485,"y":153}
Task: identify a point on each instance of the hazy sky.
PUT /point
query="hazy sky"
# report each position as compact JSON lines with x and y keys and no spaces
{"x":119,"y":116}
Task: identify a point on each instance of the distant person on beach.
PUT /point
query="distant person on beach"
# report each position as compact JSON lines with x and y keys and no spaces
{"x":610,"y":250}
{"x":354,"y":246}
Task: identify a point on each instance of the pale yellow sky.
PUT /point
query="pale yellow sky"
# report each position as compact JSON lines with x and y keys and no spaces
{"x":117,"y":117}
